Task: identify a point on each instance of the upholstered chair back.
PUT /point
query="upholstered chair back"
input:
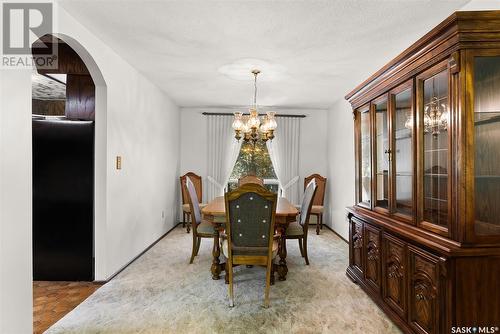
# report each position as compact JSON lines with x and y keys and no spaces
{"x":197,"y":182}
{"x":307,"y":202}
{"x":250,"y":179}
{"x":250,"y":211}
{"x":319,"y":197}
{"x":193,"y":201}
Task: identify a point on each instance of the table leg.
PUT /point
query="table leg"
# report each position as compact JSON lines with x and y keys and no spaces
{"x":282,"y":267}
{"x":215,"y":269}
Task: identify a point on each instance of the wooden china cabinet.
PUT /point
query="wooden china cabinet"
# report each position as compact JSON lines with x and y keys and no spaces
{"x":424,"y":237}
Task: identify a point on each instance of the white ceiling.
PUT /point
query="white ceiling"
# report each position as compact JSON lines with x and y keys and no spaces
{"x":311,"y":52}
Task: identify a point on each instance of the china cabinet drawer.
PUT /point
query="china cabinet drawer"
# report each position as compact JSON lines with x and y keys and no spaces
{"x":394,"y":274}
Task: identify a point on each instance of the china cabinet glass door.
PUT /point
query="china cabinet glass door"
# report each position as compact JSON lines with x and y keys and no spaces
{"x":365,"y":169}
{"x":382,"y":153}
{"x":486,"y":106}
{"x":403,"y":155}
{"x":433,"y":118}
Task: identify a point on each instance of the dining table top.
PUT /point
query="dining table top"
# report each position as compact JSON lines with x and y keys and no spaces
{"x":217,"y":207}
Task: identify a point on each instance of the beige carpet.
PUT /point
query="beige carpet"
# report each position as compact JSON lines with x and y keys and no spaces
{"x":162,"y":293}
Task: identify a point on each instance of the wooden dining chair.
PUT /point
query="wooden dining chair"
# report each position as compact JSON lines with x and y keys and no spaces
{"x":319,"y":198}
{"x":299,"y":229}
{"x":186,"y":209}
{"x":201,"y":229}
{"x":249,"y":237}
{"x":250,"y":179}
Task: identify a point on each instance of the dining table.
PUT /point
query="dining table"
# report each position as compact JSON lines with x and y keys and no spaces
{"x":215,"y":213}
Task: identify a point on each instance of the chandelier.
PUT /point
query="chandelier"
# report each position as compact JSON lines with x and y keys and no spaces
{"x":252,"y":127}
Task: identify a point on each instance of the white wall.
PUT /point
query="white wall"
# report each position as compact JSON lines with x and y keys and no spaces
{"x":141,"y":125}
{"x":15,"y":202}
{"x":143,"y":128}
{"x":312,"y":141}
{"x":482,"y":5}
{"x":340,"y":192}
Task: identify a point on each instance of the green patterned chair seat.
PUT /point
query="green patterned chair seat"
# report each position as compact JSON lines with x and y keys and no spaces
{"x":294,"y":229}
{"x":248,"y":250}
{"x":205,"y":228}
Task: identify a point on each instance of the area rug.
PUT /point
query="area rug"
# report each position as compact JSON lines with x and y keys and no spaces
{"x":162,"y":293}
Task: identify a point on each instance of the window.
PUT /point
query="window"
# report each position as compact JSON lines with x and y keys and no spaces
{"x":254,"y":160}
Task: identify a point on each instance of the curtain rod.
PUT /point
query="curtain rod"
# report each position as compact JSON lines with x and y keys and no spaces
{"x":230,"y":114}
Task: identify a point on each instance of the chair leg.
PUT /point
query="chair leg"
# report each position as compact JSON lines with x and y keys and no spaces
{"x":189,"y":220}
{"x":226,"y":275}
{"x":321,"y":221}
{"x":268,"y":283}
{"x":273,"y":270}
{"x":317,"y":224}
{"x":183,"y":219}
{"x":193,"y":252}
{"x":231,"y":294}
{"x":300,"y":247}
{"x":198,"y":243}
{"x":304,"y":246}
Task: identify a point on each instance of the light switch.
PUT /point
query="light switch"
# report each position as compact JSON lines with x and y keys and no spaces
{"x":118,"y":162}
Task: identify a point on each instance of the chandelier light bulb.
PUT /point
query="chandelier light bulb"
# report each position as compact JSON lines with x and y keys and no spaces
{"x":238,"y":121}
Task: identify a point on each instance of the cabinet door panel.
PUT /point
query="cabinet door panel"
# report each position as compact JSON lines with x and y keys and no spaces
{"x":423,"y":291}
{"x":356,"y":245}
{"x":485,"y":68}
{"x":382,"y":153}
{"x":434,"y":156}
{"x":403,"y":150}
{"x":372,"y":257}
{"x":394,"y":273}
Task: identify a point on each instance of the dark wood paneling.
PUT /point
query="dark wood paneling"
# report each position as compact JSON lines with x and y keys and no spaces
{"x":68,"y":61}
{"x":80,"y":97}
{"x":477,"y":284}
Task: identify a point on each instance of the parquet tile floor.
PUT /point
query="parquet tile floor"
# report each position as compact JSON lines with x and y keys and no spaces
{"x":53,"y":300}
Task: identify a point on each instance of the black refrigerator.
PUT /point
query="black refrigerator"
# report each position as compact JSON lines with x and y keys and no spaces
{"x":63,"y":199}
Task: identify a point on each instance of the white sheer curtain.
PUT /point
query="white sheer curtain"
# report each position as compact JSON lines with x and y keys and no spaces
{"x":284,"y":153}
{"x":222,"y":150}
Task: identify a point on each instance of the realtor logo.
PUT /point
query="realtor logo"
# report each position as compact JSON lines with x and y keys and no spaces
{"x":24,"y":23}
{"x":25,"y":35}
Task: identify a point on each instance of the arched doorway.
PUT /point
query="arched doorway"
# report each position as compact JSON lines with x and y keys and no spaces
{"x":82,"y":167}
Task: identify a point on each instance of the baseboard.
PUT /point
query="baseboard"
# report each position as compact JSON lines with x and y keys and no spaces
{"x":338,"y":235}
{"x":139,"y":255}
